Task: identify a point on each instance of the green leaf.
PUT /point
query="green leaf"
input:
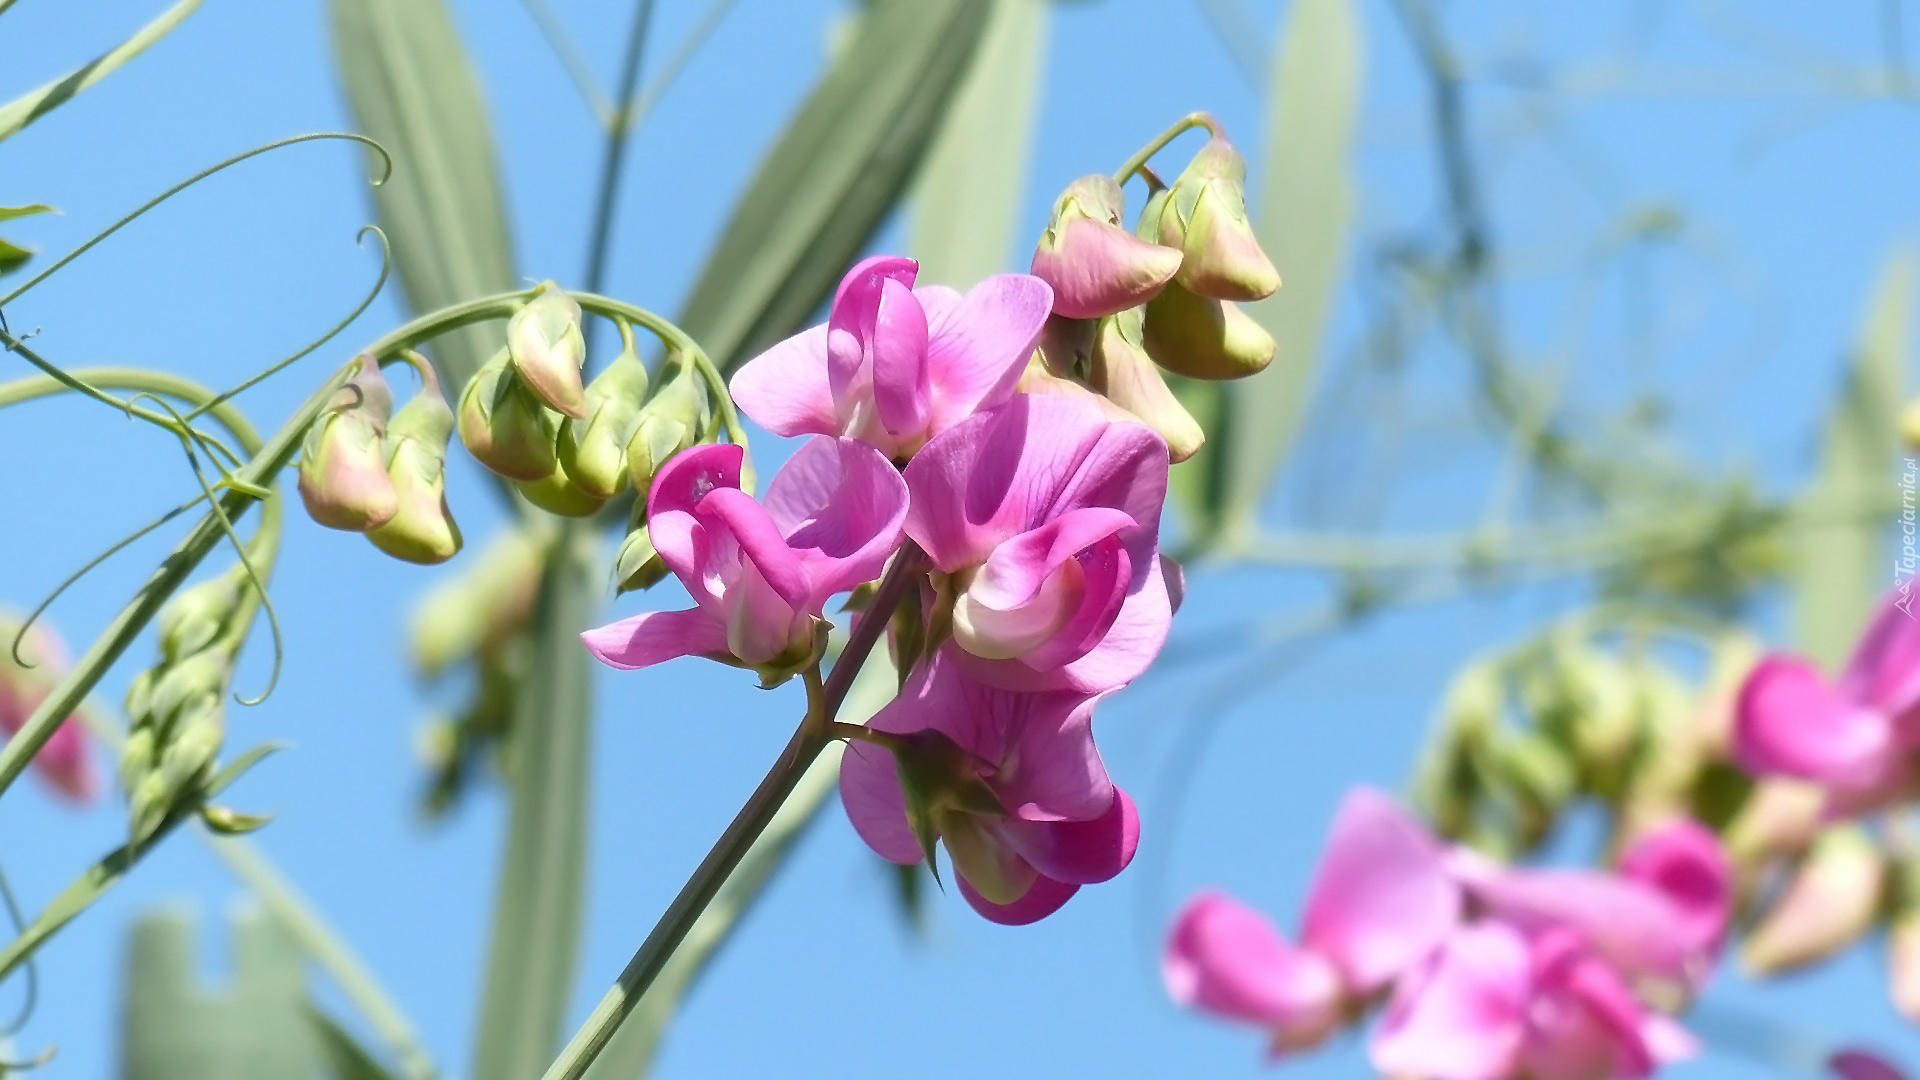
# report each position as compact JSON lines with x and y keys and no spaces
{"x":8,"y":213}
{"x":344,"y":1055}
{"x":536,"y":918}
{"x":1305,"y":207}
{"x":832,"y":177}
{"x":238,"y":767}
{"x":634,"y":1045}
{"x":969,"y":197}
{"x":1838,"y":565}
{"x":412,"y":89}
{"x":253,"y":1028}
{"x":31,"y":106}
{"x":13,"y":256}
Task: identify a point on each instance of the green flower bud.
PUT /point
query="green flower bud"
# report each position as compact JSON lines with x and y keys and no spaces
{"x":204,"y":674}
{"x":594,"y":454}
{"x":193,"y":617}
{"x":486,"y":604}
{"x":423,"y":529}
{"x":343,"y":466}
{"x":1124,"y":374}
{"x":188,"y":759}
{"x":677,"y":417}
{"x":139,"y":700}
{"x":1831,"y":901}
{"x":556,"y":493}
{"x":1206,"y":219}
{"x":504,"y":426}
{"x":147,"y":806}
{"x":638,"y":566}
{"x":138,"y":757}
{"x":1204,"y":338}
{"x":548,"y":349}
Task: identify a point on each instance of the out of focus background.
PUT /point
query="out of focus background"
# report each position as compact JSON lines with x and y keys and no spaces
{"x":1596,"y":263}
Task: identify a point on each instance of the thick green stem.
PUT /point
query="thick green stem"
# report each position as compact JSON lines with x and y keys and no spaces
{"x":1145,"y":154}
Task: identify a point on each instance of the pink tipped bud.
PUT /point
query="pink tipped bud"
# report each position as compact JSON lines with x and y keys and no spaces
{"x":1094,"y":265}
{"x":1122,"y":371}
{"x":1831,"y":901}
{"x":422,"y":530}
{"x":505,"y":427}
{"x":549,"y":350}
{"x":1206,"y":219}
{"x":1204,"y":338}
{"x":343,"y":464}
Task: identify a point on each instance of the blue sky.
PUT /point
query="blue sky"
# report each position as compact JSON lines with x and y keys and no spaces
{"x":1791,"y":196}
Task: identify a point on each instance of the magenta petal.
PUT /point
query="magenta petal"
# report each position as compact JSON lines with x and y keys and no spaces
{"x":689,"y":475}
{"x":868,"y":272}
{"x":1462,"y":1015}
{"x":785,"y":388}
{"x":1014,"y":572}
{"x":1585,"y":1022}
{"x":901,"y":393}
{"x":1884,"y":670}
{"x":1226,"y":958}
{"x":1684,"y":861}
{"x":841,"y":505}
{"x":1043,"y":899}
{"x":1630,"y":924}
{"x":1382,"y":898}
{"x":653,"y":636}
{"x":752,"y":528}
{"x":1789,"y":721}
{"x":978,"y":345}
{"x":1080,"y":852}
{"x":683,"y":545}
{"x":870,"y":791}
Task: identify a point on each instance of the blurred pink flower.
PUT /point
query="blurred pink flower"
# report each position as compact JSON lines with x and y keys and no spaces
{"x":66,"y":761}
{"x":895,"y":366}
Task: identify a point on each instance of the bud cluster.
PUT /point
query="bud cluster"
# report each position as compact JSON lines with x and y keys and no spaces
{"x":1164,"y":297}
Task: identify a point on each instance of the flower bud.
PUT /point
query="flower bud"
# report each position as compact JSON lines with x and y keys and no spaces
{"x":1778,"y":819}
{"x":1206,"y":219}
{"x":504,"y":426}
{"x":193,"y":617}
{"x":183,"y":687}
{"x":673,"y":420}
{"x":638,"y":566}
{"x":1094,"y":265}
{"x":548,"y":349}
{"x":485,"y":605}
{"x":594,"y":453}
{"x":343,"y":466}
{"x":1123,"y":373}
{"x":138,"y":757}
{"x":1204,"y":338}
{"x":422,"y":530}
{"x":1831,"y":900}
{"x":556,"y":493}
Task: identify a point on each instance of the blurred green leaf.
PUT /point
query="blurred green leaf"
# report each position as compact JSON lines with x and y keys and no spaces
{"x":31,"y":106}
{"x":1838,"y":567}
{"x":536,"y":918}
{"x":345,"y":1057}
{"x":832,"y":177}
{"x":13,"y":256}
{"x":412,"y":89}
{"x":968,"y":200}
{"x":1304,"y":209}
{"x":254,"y":1028}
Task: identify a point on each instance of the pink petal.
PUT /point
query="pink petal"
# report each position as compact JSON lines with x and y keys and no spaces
{"x":875,"y":268}
{"x":1382,"y":898}
{"x":1789,"y":721}
{"x":653,"y":636}
{"x":1015,"y":570}
{"x":1856,"y":1064}
{"x":870,"y":792}
{"x":841,"y":505}
{"x":1080,"y":852}
{"x":851,"y":330}
{"x":683,"y":545}
{"x":901,"y":392}
{"x":785,"y":388}
{"x":1884,"y":671}
{"x":978,"y":345}
{"x":1043,"y":899}
{"x":1462,"y":1015}
{"x":689,"y":475}
{"x":749,"y":526}
{"x":1226,"y":958}
{"x":1586,"y":1023}
{"x":1684,"y":861}
{"x":761,"y":622}
{"x":1629,"y":923}
{"x":65,"y":762}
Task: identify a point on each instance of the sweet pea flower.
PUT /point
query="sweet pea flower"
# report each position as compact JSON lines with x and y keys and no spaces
{"x":1853,"y":736}
{"x":64,"y":761}
{"x":1061,"y":821}
{"x":1044,"y":516}
{"x":759,"y":573}
{"x":1379,"y":905}
{"x":895,"y":365}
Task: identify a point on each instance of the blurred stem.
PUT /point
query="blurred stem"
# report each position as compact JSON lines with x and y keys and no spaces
{"x":600,"y":236}
{"x":809,"y":739}
{"x":569,"y":55}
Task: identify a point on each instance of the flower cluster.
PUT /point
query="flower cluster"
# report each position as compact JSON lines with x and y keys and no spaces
{"x":1486,"y":971}
{"x":1020,"y":533}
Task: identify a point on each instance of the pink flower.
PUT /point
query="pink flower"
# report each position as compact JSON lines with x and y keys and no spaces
{"x":1044,"y":515}
{"x":1380,"y":903}
{"x":894,"y":365}
{"x":1064,"y":822}
{"x":64,"y":761}
{"x":760,"y":574}
{"x":1853,"y":736}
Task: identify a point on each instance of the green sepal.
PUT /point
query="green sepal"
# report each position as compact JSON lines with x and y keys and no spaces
{"x":238,"y":767}
{"x":230,"y":822}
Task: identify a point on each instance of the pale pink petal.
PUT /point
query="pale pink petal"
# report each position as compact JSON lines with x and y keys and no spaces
{"x":1124,"y":651}
{"x":1015,"y":570}
{"x":1666,"y":1040}
{"x":653,"y":636}
{"x":1382,"y":898}
{"x":1226,"y":958}
{"x":1632,"y":925}
{"x":841,"y":505}
{"x":978,"y":345}
{"x":1685,"y":862}
{"x":1884,"y":670}
{"x":1080,"y":852}
{"x":1462,"y":1015}
{"x":1098,"y":268}
{"x":901,"y":392}
{"x":1789,"y":721}
{"x":870,"y":791}
{"x":1043,"y":899}
{"x":1104,"y":571}
{"x":761,"y":622}
{"x":785,"y":388}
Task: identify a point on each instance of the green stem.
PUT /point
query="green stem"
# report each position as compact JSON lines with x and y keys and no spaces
{"x":1159,"y":143}
{"x":809,"y":739}
{"x":618,"y":129}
